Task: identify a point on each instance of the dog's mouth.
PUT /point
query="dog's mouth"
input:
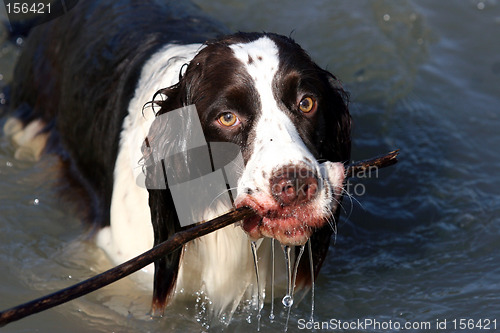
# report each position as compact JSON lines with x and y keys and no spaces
{"x":288,"y":231}
{"x":290,"y":226}
{"x":293,"y":222}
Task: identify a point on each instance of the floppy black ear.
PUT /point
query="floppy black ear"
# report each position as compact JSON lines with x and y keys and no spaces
{"x":165,"y":224}
{"x":163,"y":138}
{"x":164,"y":218}
{"x":336,"y":145}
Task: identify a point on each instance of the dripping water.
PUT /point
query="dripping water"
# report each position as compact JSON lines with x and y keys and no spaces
{"x":288,"y":299}
{"x":256,"y":265}
{"x":271,"y":315}
{"x":311,"y":265}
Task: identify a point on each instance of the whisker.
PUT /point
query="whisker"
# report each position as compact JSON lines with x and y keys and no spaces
{"x":332,"y":225}
{"x":352,"y":198}
{"x":339,"y":203}
{"x":222,"y":193}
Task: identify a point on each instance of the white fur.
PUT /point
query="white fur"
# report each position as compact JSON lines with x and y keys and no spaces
{"x":220,"y":265}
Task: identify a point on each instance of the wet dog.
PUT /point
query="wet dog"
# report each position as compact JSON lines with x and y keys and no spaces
{"x":83,"y":89}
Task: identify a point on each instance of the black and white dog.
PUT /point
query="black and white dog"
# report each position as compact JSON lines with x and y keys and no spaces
{"x":81,"y":89}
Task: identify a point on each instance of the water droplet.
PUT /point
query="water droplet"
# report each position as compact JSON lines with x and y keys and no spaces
{"x":480,"y":5}
{"x":287,"y":301}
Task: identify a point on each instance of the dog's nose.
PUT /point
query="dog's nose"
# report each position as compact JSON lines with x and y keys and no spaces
{"x":294,"y":185}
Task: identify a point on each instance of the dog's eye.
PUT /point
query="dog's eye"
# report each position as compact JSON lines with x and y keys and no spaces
{"x":307,"y":104}
{"x":228,"y":119}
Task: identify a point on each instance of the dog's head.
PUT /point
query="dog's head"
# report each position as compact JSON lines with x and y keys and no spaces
{"x":288,"y":116}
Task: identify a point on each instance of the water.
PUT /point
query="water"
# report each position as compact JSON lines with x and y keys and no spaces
{"x":271,"y":314}
{"x":288,"y":299}
{"x":418,"y":244}
{"x":311,"y":263}
{"x":259,"y":292}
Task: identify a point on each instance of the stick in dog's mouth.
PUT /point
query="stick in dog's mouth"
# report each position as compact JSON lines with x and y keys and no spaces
{"x":297,"y":206}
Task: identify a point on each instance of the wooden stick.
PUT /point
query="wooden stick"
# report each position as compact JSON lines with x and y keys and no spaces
{"x":120,"y":271}
{"x":173,"y":243}
{"x":380,"y":161}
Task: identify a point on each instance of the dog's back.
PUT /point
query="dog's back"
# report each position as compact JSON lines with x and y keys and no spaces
{"x":77,"y":74}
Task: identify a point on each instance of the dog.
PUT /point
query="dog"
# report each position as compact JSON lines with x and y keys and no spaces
{"x":90,"y":87}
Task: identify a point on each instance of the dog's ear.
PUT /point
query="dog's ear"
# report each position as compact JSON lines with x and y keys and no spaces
{"x":163,"y":139}
{"x":336,"y":140}
{"x":335,"y":146}
{"x":164,"y":218}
